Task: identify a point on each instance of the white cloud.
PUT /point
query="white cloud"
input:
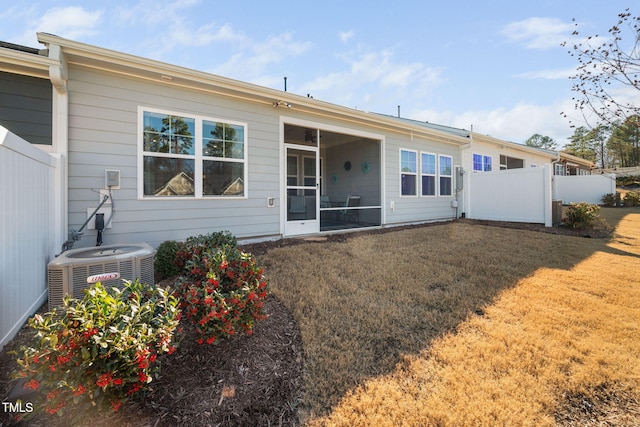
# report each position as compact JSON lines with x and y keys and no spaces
{"x":548,"y":74}
{"x":516,"y":124}
{"x":168,"y":25}
{"x":72,"y":22}
{"x":252,"y":58}
{"x":379,"y":76}
{"x":345,"y":36}
{"x":151,"y":13}
{"x":183,"y":35}
{"x":539,"y":33}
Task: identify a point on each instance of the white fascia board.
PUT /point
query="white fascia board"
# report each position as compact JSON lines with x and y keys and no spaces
{"x":173,"y":75}
{"x":28,"y":64}
{"x":575,"y":159}
{"x":512,"y":145}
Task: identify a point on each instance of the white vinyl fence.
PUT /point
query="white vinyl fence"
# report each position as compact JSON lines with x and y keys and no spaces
{"x":526,"y":195}
{"x":583,"y":188}
{"x":27,"y":179}
{"x":516,"y":195}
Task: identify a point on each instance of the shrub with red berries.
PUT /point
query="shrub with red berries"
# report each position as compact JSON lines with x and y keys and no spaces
{"x":222,"y":292}
{"x":101,"y":350}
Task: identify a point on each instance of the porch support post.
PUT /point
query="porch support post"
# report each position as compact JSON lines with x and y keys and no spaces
{"x":58,"y":74}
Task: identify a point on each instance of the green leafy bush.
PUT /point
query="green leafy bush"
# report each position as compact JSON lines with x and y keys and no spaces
{"x":582,"y":215}
{"x":195,"y":245}
{"x":165,"y":260}
{"x":223,"y":292}
{"x":99,"y":351}
{"x":632,"y":198}
{"x":611,"y":200}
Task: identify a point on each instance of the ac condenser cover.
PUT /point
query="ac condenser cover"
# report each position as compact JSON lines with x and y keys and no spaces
{"x":67,"y":274}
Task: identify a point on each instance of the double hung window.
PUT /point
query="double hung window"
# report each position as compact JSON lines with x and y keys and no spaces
{"x":446,"y":175}
{"x":428,"y":169}
{"x":408,"y":173}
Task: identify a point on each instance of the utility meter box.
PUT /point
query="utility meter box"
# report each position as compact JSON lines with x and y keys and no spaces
{"x":112,"y":179}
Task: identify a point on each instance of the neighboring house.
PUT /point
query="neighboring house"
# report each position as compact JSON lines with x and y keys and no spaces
{"x":484,"y":153}
{"x":570,"y":165}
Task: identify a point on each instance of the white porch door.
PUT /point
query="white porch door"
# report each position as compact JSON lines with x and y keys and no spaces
{"x":302,"y":214}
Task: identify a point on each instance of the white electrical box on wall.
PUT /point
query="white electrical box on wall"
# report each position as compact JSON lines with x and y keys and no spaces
{"x":112,"y":179}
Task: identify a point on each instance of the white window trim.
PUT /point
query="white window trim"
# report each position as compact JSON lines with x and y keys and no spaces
{"x":473,"y":162}
{"x":435,"y":175}
{"x":445,"y":176}
{"x":198,"y":157}
{"x":416,"y":174}
{"x":503,"y":166}
{"x":483,"y":162}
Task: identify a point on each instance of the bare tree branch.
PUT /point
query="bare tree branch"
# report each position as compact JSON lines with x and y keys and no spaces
{"x":607,"y":80}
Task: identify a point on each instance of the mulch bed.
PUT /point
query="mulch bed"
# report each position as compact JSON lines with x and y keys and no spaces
{"x":248,"y":380}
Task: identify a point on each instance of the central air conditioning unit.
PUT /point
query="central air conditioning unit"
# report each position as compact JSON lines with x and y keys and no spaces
{"x":67,"y":274}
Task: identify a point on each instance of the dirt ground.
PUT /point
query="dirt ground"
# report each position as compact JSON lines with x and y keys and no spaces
{"x":248,"y":380}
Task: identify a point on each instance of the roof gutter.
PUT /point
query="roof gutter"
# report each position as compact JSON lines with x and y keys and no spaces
{"x":26,"y":63}
{"x":173,"y":75}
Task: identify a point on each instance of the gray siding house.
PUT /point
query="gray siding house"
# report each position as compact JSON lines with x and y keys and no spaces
{"x":159,"y":152}
{"x":180,"y":152}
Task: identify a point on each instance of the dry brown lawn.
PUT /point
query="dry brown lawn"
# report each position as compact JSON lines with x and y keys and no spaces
{"x":460,"y":324}
{"x":456,"y":324}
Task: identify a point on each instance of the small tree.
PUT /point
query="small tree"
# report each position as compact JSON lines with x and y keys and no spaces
{"x":608,"y":75}
{"x":540,"y":141}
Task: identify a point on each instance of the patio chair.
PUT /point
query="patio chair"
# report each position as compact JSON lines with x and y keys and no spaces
{"x":325,"y":202}
{"x":348,"y":214}
{"x":297,"y":206}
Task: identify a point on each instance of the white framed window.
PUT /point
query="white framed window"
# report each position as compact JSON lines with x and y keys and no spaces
{"x":184,"y":155}
{"x":482,"y":163}
{"x":408,"y":172}
{"x":446,"y":175}
{"x":428,"y":174}
{"x":507,"y":163}
{"x":477,"y":162}
{"x":488,"y":163}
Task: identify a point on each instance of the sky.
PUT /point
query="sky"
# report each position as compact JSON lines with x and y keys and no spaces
{"x":495,"y":65}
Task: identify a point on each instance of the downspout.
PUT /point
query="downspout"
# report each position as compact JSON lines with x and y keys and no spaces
{"x":463,"y":209}
{"x":58,"y":74}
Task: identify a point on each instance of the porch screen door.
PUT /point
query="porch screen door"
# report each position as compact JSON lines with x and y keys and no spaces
{"x":302,"y":190}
